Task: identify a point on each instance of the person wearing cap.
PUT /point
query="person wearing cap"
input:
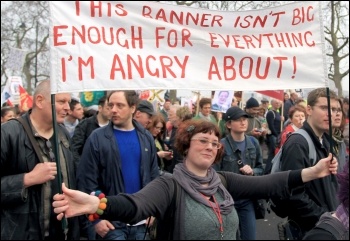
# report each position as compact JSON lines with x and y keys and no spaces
{"x":242,"y":155}
{"x":144,"y":113}
{"x":255,"y":127}
{"x":120,"y":157}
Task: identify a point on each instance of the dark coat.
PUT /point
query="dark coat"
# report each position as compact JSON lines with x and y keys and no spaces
{"x":22,"y":208}
{"x":253,"y":156}
{"x":100,"y":164}
{"x":81,"y":133}
{"x":309,"y":202}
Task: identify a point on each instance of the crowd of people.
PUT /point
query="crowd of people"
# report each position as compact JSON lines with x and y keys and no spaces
{"x":139,"y":157}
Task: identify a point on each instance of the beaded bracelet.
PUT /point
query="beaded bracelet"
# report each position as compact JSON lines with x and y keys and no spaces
{"x":102,"y":206}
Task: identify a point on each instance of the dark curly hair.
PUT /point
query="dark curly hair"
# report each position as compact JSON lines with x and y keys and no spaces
{"x":189,"y":128}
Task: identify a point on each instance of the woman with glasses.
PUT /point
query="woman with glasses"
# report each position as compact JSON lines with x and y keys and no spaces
{"x":157,"y":128}
{"x":338,"y":125}
{"x":203,"y":208}
{"x":243,"y":156}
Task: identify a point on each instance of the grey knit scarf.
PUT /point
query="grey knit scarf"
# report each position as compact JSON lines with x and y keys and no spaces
{"x":192,"y":184}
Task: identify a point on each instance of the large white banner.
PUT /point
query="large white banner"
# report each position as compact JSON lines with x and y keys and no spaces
{"x":106,"y":45}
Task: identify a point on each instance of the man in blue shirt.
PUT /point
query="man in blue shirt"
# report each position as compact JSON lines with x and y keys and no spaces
{"x":118,"y":158}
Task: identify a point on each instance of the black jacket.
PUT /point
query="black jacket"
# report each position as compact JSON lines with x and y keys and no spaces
{"x":81,"y":133}
{"x":22,"y":208}
{"x":309,"y":202}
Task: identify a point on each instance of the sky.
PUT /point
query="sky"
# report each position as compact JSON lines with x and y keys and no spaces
{"x":345,"y":83}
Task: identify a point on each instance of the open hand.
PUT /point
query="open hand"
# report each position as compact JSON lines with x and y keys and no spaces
{"x":74,"y":203}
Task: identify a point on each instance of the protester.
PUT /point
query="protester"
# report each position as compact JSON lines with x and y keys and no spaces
{"x":252,"y":107}
{"x":89,"y":111}
{"x":265,"y":105}
{"x":157,"y":128}
{"x":338,"y":125}
{"x":222,"y":123}
{"x":177,"y":114}
{"x":81,"y":133}
{"x":88,"y":125}
{"x":335,"y":225}
{"x":205,"y":210}
{"x":300,"y":103}
{"x":120,"y":157}
{"x":285,"y":97}
{"x":346,"y":127}
{"x":234,"y":102}
{"x":274,"y":123}
{"x":166,"y":108}
{"x":288,"y":104}
{"x":297,"y":115}
{"x":75,"y":114}
{"x":309,"y":202}
{"x":204,"y":110}
{"x":144,"y":113}
{"x":7,"y":113}
{"x":27,"y":184}
{"x":262,"y":118}
{"x":242,"y":155}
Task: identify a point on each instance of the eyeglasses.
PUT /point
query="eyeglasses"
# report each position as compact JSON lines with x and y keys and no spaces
{"x":333,"y":109}
{"x":205,"y":142}
{"x":47,"y":147}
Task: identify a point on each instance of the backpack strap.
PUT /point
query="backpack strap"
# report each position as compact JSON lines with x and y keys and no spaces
{"x":274,"y":115}
{"x":312,"y":150}
{"x":31,"y":138}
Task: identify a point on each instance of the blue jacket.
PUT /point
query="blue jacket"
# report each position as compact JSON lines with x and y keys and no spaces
{"x":253,"y":156}
{"x":100,"y":164}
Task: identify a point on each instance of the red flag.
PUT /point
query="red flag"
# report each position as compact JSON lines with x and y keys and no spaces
{"x":277,"y":94}
{"x":9,"y":103}
{"x":26,"y":101}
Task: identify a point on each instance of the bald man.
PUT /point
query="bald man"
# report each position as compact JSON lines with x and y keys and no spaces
{"x":28,"y":182}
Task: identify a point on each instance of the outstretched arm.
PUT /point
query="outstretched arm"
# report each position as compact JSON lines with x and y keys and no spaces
{"x":74,"y":203}
{"x":278,"y":184}
{"x":323,"y":168}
